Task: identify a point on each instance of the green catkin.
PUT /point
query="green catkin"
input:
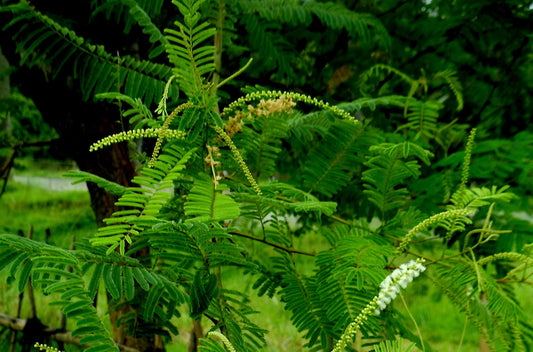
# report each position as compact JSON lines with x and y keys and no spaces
{"x":164,"y":129}
{"x":458,"y":197}
{"x":239,"y":158}
{"x":136,"y":134}
{"x":355,"y":325}
{"x":224,"y":340}
{"x":466,"y":165}
{"x":508,"y":256}
{"x":445,"y":215}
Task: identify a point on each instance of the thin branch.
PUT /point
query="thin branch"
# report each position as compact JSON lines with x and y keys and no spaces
{"x":24,"y":144}
{"x":241,"y":70}
{"x":272,"y":244}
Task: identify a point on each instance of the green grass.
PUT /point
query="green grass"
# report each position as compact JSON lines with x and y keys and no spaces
{"x":64,"y":214}
{"x":441,"y":324}
{"x":27,"y":166}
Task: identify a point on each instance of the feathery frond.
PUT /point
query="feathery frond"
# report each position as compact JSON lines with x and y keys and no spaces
{"x":455,"y":86}
{"x":46,"y":265}
{"x":380,"y":70}
{"x":139,"y":115}
{"x":422,"y":118}
{"x":372,"y":103}
{"x":143,"y":19}
{"x":387,"y":171}
{"x":485,"y":302}
{"x":302,"y":300}
{"x":284,"y":197}
{"x":82,"y":176}
{"x":348,"y":278}
{"x":45,"y":42}
{"x":328,"y":165}
{"x":138,"y":12}
{"x":263,"y":144}
{"x":392,"y":346}
{"x":144,"y":202}
{"x":187,"y":51}
{"x":207,"y":202}
{"x":261,"y":19}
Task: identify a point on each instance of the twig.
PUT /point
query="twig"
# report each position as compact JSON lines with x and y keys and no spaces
{"x":63,"y":324}
{"x":31,"y":295}
{"x":13,"y":340}
{"x":272,"y":244}
{"x":5,"y":170}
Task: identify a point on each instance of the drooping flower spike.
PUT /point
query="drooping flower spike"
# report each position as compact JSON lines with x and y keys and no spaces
{"x":389,"y":289}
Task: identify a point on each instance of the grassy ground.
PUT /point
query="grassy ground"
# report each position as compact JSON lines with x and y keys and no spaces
{"x":62,"y":214}
{"x":67,"y":214}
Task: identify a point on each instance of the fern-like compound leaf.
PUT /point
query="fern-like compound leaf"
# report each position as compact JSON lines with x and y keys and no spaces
{"x":283,"y":197}
{"x":262,"y":17}
{"x":49,"y":271}
{"x":207,"y":201}
{"x":81,"y":176}
{"x":387,"y":171}
{"x":328,"y":165}
{"x":455,"y":85}
{"x":146,"y":201}
{"x":263,"y":144}
{"x":422,"y":118}
{"x":51,"y":44}
{"x":187,"y":51}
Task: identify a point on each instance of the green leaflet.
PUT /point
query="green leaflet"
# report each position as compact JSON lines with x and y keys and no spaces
{"x":203,"y":290}
{"x":207,"y":202}
{"x":387,"y":171}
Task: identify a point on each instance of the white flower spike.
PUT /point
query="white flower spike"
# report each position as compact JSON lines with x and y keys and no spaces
{"x":390,"y":287}
{"x":400,"y":277}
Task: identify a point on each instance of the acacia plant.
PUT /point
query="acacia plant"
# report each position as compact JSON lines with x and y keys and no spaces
{"x":240,"y":186}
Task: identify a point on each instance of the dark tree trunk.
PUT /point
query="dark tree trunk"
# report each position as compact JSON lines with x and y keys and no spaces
{"x":80,"y":124}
